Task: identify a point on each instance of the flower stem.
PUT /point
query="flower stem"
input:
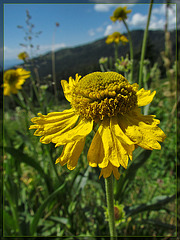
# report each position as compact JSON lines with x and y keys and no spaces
{"x":144,"y":46}
{"x":116,"y":51}
{"x":110,"y":206}
{"x":131,"y":49}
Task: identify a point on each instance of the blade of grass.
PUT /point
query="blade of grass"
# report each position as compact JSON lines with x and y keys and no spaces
{"x":37,"y":216}
{"x":13,"y":208}
{"x":155,"y":204}
{"x":144,"y":45}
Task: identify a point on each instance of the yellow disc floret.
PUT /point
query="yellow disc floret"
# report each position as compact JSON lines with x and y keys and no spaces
{"x":102,"y":94}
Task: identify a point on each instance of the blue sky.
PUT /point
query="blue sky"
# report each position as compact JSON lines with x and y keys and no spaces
{"x":79,"y":24}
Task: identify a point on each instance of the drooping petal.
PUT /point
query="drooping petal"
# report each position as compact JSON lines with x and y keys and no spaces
{"x":142,"y":130}
{"x":71,"y":153}
{"x":82,"y":129}
{"x":110,"y":150}
{"x":96,"y":151}
{"x":23,"y":73}
{"x":107,"y":171}
{"x":101,"y":147}
{"x":118,"y":132}
{"x":53,"y":125}
{"x":107,"y":148}
{"x":144,"y":97}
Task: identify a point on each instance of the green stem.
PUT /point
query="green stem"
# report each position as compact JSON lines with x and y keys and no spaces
{"x":54,"y":70}
{"x":110,"y":206}
{"x":131,"y":49}
{"x":144,"y":45}
{"x":52,"y":162}
{"x":116,"y":51}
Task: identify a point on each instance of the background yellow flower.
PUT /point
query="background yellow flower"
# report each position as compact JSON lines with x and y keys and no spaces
{"x":120,"y":14}
{"x":116,"y":37}
{"x":13,"y":80}
{"x":23,"y":55}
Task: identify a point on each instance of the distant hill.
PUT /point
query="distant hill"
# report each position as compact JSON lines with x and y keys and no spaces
{"x":85,"y":59}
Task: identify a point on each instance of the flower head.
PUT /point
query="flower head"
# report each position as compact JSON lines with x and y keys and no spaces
{"x":116,"y":37}
{"x":13,"y":80}
{"x":105,"y":100}
{"x":123,"y":64}
{"x":23,"y":56}
{"x":120,"y":14}
{"x":119,"y":214}
{"x":103,"y":60}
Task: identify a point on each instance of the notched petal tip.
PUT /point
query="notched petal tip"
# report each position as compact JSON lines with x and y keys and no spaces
{"x":106,"y":172}
{"x":144,"y":97}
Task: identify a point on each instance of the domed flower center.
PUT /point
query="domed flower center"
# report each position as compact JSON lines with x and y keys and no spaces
{"x":102,"y":94}
{"x":11,"y":76}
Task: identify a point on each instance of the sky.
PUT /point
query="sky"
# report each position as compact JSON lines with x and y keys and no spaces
{"x":78,"y":24}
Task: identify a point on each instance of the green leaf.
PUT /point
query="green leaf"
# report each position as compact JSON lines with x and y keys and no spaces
{"x":155,"y":204}
{"x":159,"y":224}
{"x":8,"y":224}
{"x":59,"y":220}
{"x":79,"y":183}
{"x":13,"y":206}
{"x":37,"y":216}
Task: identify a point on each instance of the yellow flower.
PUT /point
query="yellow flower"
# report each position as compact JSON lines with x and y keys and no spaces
{"x":120,"y":14}
{"x":116,"y":37}
{"x":13,"y":80}
{"x":23,"y":56}
{"x":107,"y":101}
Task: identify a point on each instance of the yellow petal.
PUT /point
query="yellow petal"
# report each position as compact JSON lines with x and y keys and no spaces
{"x":143,"y":130}
{"x":67,"y":87}
{"x":96,"y":151}
{"x":53,"y":125}
{"x":83,"y":128}
{"x":52,"y":132}
{"x":118,"y":131}
{"x":116,"y":173}
{"x":144,"y":97}
{"x":107,"y":171}
{"x":110,"y":150}
{"x":71,"y":153}
{"x":67,"y":90}
{"x":107,"y":148}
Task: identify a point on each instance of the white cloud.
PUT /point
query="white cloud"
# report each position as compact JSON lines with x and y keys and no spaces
{"x":99,"y":29}
{"x":106,"y":7}
{"x":114,"y":27}
{"x":156,"y":24}
{"x":160,"y":10}
{"x":138,"y":20}
{"x":157,"y":20}
{"x":158,"y":17}
{"x":91,"y":32}
{"x":103,"y":7}
{"x":12,"y":53}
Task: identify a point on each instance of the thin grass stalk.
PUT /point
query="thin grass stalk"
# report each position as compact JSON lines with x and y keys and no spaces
{"x":14,"y":209}
{"x":110,"y":206}
{"x":144,"y":45}
{"x":54,"y":69}
{"x":131,"y":49}
{"x":116,"y":51}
